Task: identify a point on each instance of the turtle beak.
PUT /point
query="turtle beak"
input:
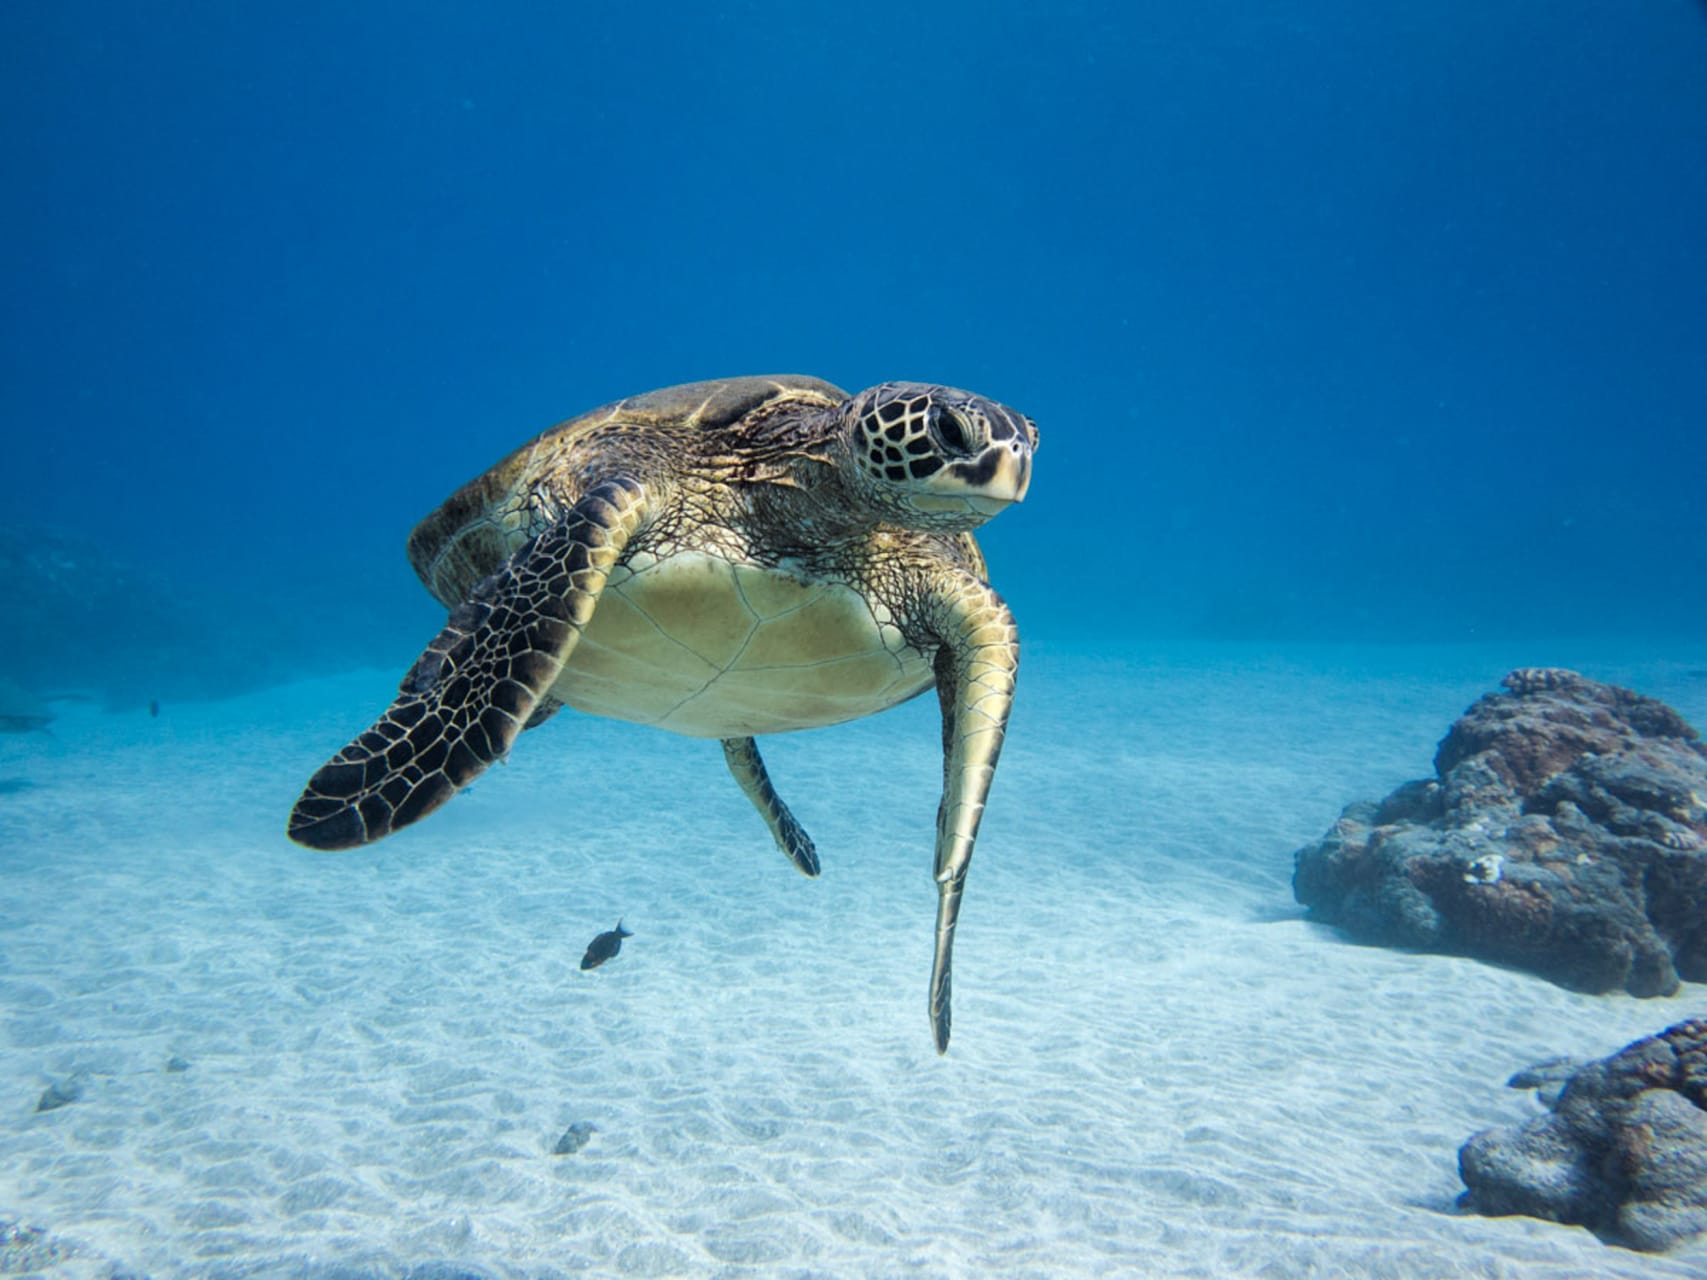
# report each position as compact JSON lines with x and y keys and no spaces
{"x":995,"y":479}
{"x":1013,"y":471}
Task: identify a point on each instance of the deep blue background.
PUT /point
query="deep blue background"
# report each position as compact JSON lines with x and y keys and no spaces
{"x":1337,"y":318}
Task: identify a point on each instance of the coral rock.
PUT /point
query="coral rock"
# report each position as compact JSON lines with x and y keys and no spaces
{"x":1623,"y":1151}
{"x":1564,"y":832}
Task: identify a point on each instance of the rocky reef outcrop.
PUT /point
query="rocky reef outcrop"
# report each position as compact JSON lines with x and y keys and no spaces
{"x":84,"y":621}
{"x":1623,"y":1151}
{"x":1564,"y":832}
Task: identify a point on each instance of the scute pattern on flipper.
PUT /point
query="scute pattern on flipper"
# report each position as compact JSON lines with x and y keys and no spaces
{"x":468,"y":696}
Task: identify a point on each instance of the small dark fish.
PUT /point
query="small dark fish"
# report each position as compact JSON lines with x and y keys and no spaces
{"x":154,"y":708}
{"x":604,"y":947}
{"x":574,"y":1138}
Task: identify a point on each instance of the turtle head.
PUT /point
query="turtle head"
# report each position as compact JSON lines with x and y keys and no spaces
{"x":935,"y":458}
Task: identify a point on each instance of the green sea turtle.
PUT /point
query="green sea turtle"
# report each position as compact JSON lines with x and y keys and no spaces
{"x":722,"y":559}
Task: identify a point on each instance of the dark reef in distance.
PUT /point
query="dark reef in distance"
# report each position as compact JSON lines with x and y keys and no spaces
{"x":1564,"y":832}
{"x":1623,"y":1151}
{"x":84,"y":621}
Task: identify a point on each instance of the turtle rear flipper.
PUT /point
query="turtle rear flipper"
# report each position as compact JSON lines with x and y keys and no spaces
{"x":468,"y":696}
{"x":748,"y":766}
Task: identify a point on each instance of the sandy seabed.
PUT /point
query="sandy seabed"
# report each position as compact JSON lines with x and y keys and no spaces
{"x":1158,"y":1067}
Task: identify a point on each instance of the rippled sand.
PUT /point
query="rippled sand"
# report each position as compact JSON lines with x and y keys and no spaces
{"x":1157,"y":1067}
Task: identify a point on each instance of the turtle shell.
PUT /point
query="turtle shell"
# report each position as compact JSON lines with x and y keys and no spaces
{"x":483,"y":523}
{"x":694,"y":632}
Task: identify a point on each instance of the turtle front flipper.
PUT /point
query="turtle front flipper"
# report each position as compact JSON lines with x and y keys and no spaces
{"x":468,"y":696}
{"x":975,"y":670}
{"x":748,"y":766}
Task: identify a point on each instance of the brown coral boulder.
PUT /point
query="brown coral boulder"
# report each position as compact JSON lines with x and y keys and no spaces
{"x":1564,"y":832}
{"x":1623,"y":1150}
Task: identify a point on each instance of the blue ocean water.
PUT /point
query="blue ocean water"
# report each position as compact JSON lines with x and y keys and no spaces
{"x":1342,"y":324}
{"x":1338,"y":319}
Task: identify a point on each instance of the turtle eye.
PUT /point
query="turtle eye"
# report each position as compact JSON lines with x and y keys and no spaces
{"x":951,"y":432}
